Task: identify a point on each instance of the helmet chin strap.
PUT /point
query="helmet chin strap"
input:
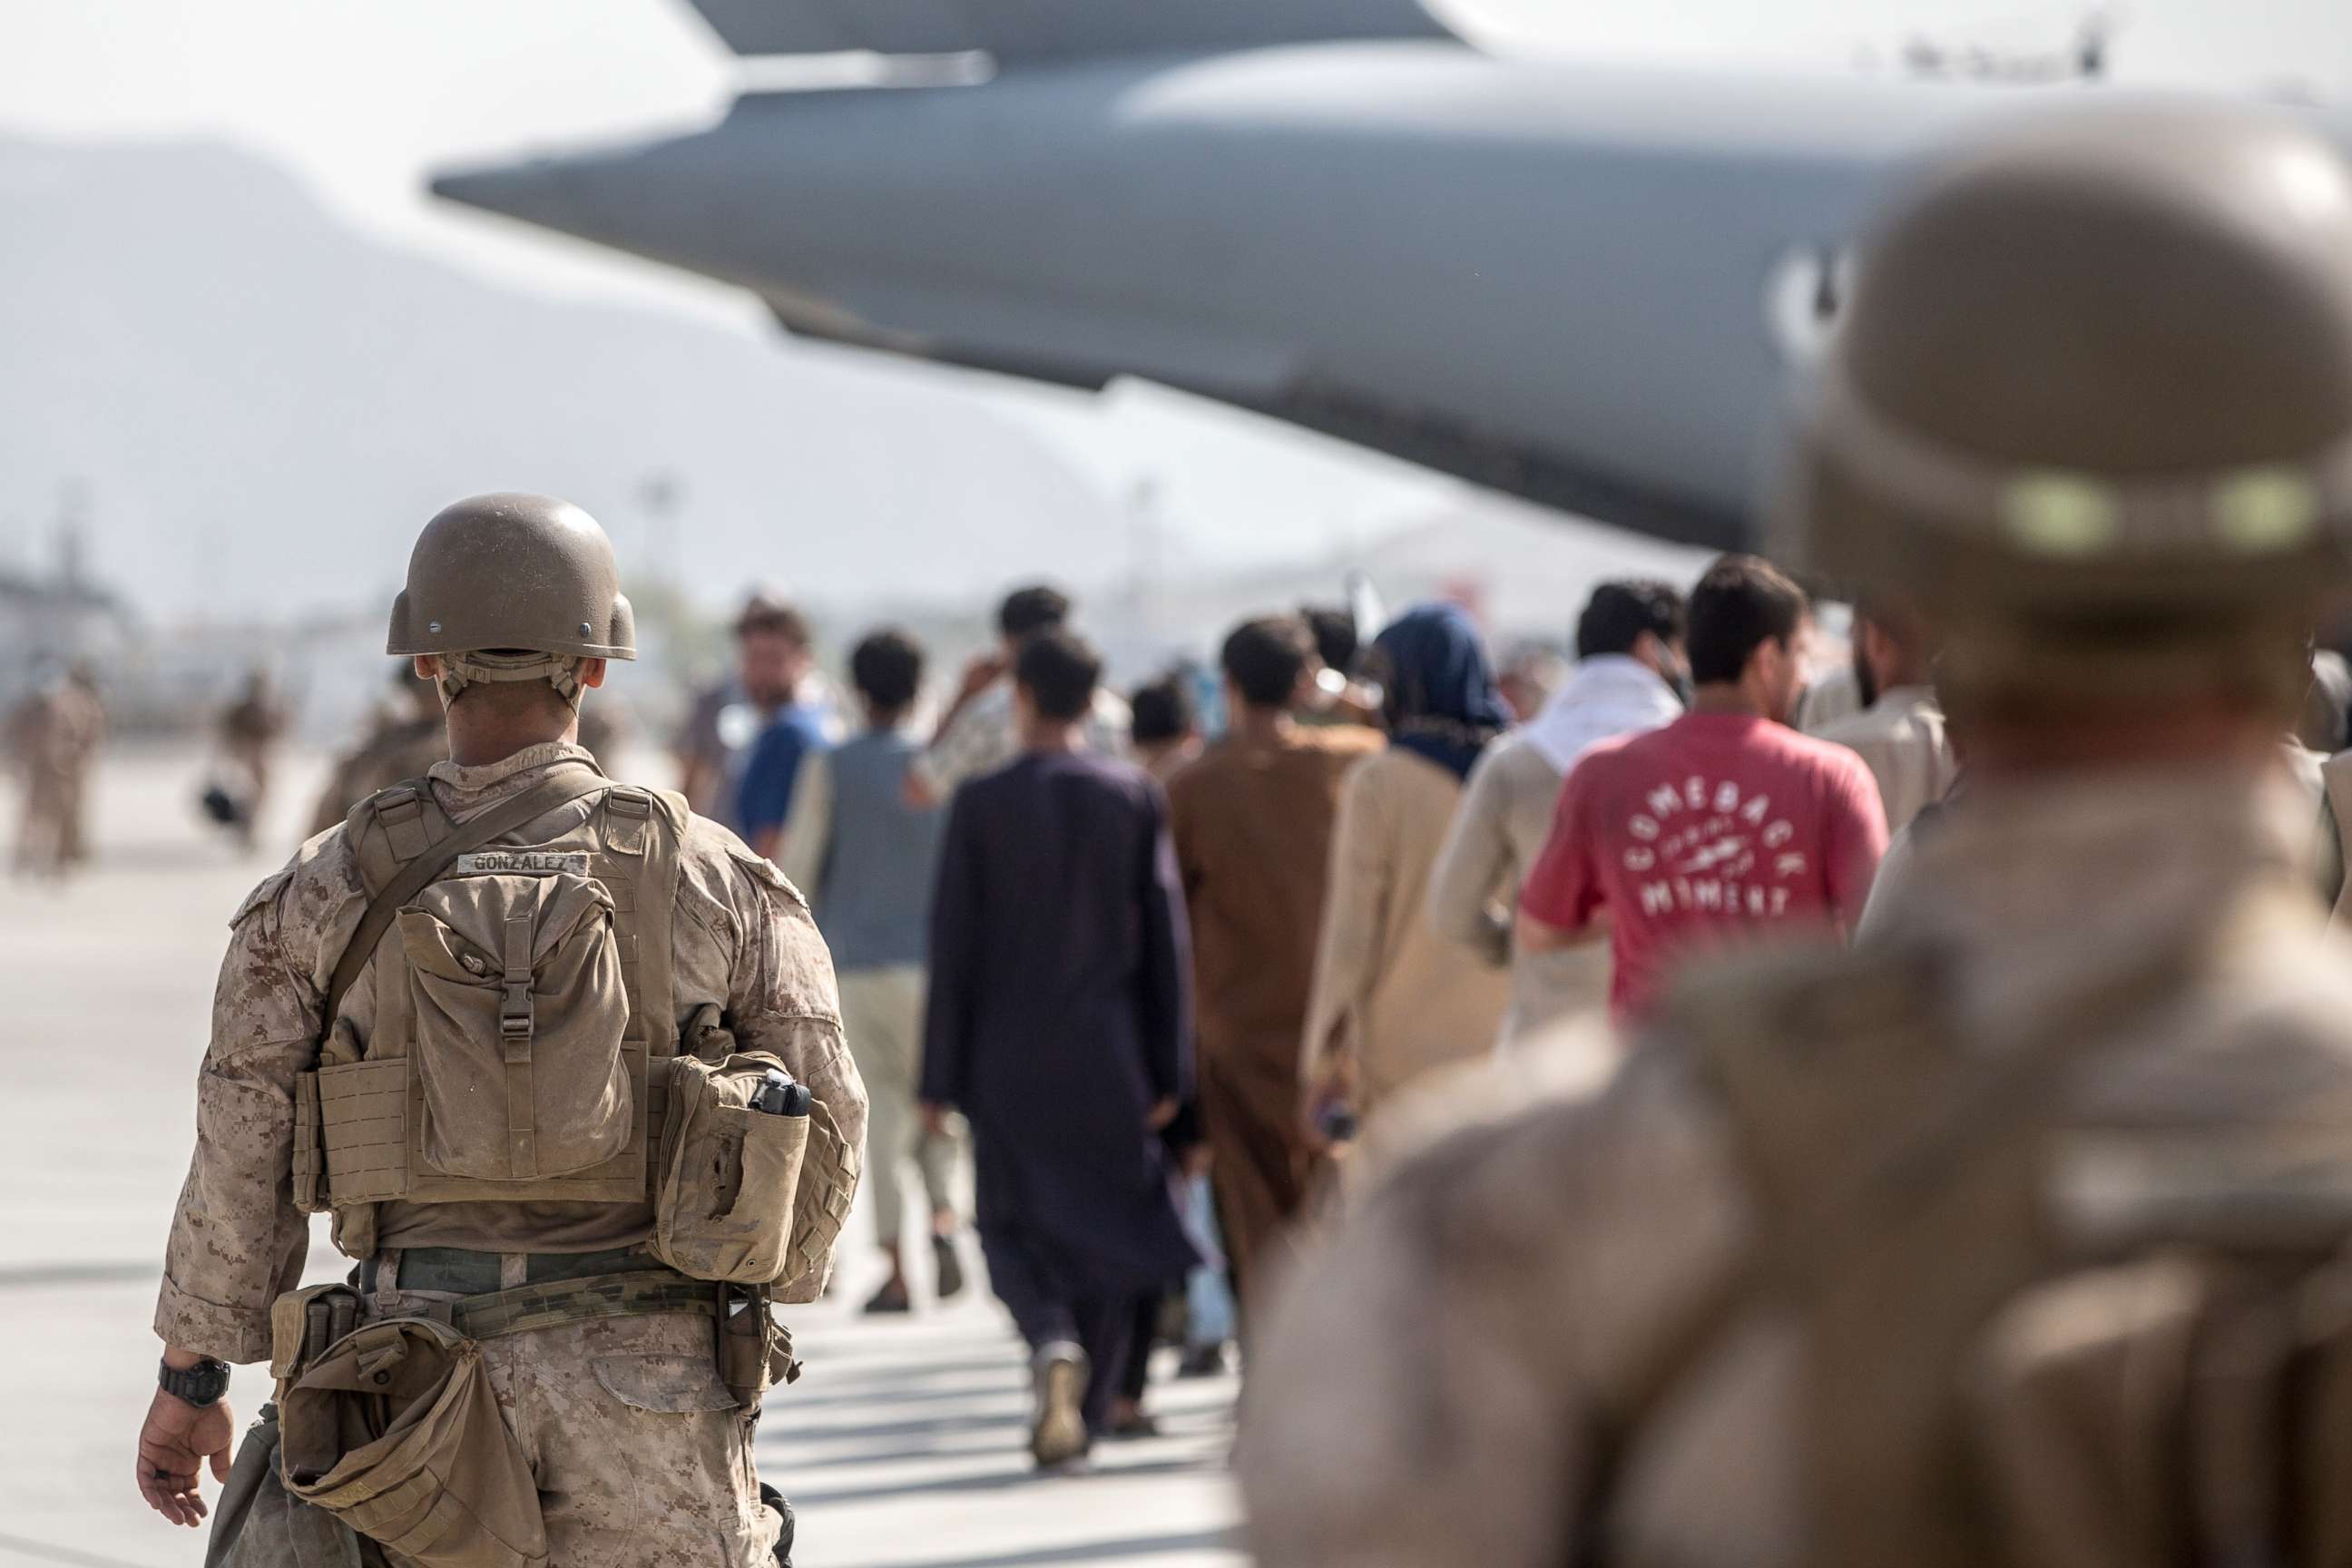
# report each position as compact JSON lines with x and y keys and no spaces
{"x":460,"y":670}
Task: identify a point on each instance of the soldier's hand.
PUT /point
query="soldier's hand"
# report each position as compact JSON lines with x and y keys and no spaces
{"x":1161,"y":1113}
{"x":174,"y":1444}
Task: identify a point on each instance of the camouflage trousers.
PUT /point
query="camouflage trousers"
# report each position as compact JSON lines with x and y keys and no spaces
{"x":641,"y":1456}
{"x":49,"y":828}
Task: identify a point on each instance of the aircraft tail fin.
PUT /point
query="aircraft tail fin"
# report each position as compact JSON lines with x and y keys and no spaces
{"x":1017,"y":31}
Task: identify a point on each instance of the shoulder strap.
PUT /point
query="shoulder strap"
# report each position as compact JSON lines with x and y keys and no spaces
{"x":1732,"y":1031}
{"x":558,"y":790}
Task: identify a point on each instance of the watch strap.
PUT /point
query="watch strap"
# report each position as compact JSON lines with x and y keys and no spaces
{"x":201,"y":1386}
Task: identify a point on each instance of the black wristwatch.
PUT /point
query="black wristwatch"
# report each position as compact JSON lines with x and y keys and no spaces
{"x":201,"y":1386}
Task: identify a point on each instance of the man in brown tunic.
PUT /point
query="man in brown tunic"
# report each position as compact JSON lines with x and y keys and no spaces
{"x":1252,"y":826}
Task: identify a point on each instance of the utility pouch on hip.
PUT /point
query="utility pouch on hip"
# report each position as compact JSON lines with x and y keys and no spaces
{"x":755,"y":1352}
{"x":256,"y":1525}
{"x":305,"y":1324}
{"x":828,"y":1181}
{"x":310,"y":1146}
{"x":724,"y":1197}
{"x":395,"y":1431}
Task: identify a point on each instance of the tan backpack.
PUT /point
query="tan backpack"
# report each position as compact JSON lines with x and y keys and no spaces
{"x":524,"y":1041}
{"x":2025,"y":1345}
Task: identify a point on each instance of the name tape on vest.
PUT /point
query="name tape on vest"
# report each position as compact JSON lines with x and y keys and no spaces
{"x":523,"y":863}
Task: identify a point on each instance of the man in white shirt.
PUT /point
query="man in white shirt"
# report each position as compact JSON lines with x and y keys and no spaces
{"x":1631,"y":666}
{"x":977,"y":735}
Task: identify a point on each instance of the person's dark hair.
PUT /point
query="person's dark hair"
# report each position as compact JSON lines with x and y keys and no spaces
{"x":1032,"y":609}
{"x":1333,"y":628}
{"x":1059,"y":669}
{"x":1742,"y":602}
{"x":1264,"y":658}
{"x":887,"y":667}
{"x":1163,"y":710}
{"x":1618,"y":614}
{"x":781,"y":620}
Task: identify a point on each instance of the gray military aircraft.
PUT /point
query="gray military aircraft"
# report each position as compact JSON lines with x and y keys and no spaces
{"x":1578,"y":285}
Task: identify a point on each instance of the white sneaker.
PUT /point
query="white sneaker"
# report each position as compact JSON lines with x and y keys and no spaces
{"x":1059,"y":1435}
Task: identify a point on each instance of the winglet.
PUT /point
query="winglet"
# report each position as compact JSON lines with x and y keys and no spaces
{"x":1016,"y":31}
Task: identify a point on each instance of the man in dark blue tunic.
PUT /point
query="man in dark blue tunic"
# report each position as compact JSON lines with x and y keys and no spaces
{"x":1058,"y":1023}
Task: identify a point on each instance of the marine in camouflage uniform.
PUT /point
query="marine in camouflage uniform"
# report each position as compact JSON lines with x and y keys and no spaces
{"x":250,"y":731}
{"x":2094,"y":403}
{"x":640,"y":1459}
{"x":54,"y":737}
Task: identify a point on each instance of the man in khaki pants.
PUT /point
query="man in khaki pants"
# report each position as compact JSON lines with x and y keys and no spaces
{"x":600,"y":1358}
{"x":867,"y":855}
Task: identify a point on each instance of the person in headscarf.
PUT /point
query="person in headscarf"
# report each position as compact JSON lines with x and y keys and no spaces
{"x":1391,"y":998}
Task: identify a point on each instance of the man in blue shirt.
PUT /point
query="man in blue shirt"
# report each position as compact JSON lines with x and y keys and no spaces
{"x":799,"y":729}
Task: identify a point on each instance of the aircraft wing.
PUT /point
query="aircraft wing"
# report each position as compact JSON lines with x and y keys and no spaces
{"x":1019,"y":31}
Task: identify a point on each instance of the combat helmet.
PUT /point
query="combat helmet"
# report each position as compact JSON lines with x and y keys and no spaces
{"x":2092,"y":395}
{"x":512,"y":588}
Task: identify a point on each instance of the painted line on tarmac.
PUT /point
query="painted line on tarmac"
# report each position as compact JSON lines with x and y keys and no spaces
{"x":66,"y":1555}
{"x":32,"y":1274}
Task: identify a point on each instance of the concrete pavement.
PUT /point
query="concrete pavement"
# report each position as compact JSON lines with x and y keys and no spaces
{"x":901,"y":1445}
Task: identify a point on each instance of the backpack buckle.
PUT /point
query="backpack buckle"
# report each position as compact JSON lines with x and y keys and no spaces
{"x":516,"y":1014}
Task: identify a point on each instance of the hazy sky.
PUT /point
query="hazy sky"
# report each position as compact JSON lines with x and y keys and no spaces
{"x":364,"y":96}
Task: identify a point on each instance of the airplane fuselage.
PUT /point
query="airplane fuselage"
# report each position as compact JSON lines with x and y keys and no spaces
{"x":1575,"y":284}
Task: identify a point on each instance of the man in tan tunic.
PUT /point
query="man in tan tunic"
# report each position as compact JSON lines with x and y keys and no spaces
{"x":1900,"y":735}
{"x":1597,"y":1327}
{"x":1630,"y":664}
{"x":1392,"y":999}
{"x":1252,"y":821}
{"x":638,"y":1454}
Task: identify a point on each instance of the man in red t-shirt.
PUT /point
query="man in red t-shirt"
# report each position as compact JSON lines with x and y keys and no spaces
{"x":1724,"y":823}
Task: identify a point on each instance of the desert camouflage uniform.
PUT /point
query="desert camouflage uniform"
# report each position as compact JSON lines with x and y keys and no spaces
{"x":55,"y":737}
{"x":1420,"y":1395}
{"x":639,"y":1455}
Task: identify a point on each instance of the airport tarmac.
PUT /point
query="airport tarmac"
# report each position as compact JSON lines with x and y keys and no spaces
{"x":901,"y":1447}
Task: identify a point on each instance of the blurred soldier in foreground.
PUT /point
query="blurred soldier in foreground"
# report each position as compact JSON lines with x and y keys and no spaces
{"x":524,"y":1032}
{"x":54,"y":739}
{"x":2010,"y":1236}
